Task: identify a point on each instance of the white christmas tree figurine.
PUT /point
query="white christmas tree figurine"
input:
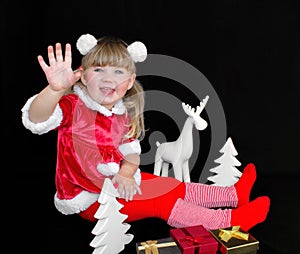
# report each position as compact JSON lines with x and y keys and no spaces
{"x":226,"y":174}
{"x":110,"y":231}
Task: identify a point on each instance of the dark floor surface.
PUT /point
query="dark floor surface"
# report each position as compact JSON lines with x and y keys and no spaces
{"x":51,"y":232}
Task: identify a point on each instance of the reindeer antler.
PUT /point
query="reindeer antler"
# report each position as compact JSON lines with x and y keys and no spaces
{"x":188,"y":109}
{"x":200,"y":123}
{"x":191,"y":111}
{"x":202,"y":105}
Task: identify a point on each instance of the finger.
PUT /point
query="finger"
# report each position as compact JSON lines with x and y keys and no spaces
{"x":68,"y":54}
{"x":131,"y":192}
{"x":58,"y":52}
{"x":128,"y":191}
{"x":51,"y":56}
{"x":128,"y":194}
{"x":42,"y":63}
{"x":120,"y":189}
{"x":138,"y":189}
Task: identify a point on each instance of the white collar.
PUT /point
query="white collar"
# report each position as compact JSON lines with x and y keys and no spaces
{"x":118,"y":109}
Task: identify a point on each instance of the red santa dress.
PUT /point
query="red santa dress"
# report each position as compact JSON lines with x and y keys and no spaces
{"x":90,"y":147}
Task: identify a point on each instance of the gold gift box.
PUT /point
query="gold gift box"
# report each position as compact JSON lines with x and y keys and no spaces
{"x":161,"y":246}
{"x":236,"y":245}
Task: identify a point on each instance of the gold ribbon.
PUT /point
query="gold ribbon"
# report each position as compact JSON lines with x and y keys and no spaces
{"x":151,"y":246}
{"x":226,"y":235}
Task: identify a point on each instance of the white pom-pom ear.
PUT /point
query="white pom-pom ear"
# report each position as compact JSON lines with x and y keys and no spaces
{"x":85,"y":43}
{"x":137,"y":51}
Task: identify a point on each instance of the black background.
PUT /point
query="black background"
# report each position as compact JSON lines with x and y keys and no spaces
{"x":248,"y":50}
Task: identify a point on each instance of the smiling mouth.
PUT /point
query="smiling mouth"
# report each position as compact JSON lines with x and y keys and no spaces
{"x":107,"y":90}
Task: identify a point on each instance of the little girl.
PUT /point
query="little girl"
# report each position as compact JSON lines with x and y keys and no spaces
{"x":99,"y":121}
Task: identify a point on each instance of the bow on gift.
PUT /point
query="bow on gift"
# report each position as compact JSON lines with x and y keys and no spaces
{"x":195,"y":240}
{"x":226,"y":235}
{"x":150,"y":247}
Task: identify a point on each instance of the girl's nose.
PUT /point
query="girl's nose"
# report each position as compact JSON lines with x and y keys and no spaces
{"x":108,"y":78}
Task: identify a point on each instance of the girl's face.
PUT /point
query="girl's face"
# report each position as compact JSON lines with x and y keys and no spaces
{"x":107,"y":85}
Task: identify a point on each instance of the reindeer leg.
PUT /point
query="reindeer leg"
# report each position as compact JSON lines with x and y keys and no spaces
{"x":186,"y":171}
{"x":178,"y":170}
{"x":157,"y":166}
{"x":165,"y":169}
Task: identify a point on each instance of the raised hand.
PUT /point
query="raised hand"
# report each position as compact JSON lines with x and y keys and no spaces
{"x":59,"y":73}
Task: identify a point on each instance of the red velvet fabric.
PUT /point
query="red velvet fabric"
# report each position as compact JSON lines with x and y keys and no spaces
{"x":94,"y":139}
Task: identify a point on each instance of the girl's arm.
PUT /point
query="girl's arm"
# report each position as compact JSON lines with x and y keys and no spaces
{"x":60,"y":77}
{"x":44,"y":104}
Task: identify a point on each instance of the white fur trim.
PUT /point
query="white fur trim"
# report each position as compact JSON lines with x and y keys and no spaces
{"x":132,"y":147}
{"x":77,"y":204}
{"x":109,"y":169}
{"x":112,"y":168}
{"x":119,"y":108}
{"x":43,"y":127}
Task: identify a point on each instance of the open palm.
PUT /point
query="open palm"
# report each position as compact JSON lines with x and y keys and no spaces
{"x":59,"y":73}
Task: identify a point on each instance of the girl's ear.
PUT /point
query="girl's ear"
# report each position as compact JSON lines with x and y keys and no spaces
{"x":82,"y":78}
{"x":131,"y":82}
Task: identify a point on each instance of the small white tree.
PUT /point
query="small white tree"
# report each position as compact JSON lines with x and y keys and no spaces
{"x":226,"y":174}
{"x":110,"y":230}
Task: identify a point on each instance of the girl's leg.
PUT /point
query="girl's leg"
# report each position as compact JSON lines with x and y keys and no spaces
{"x":217,"y":196}
{"x":177,"y":212}
{"x":159,"y":194}
{"x":187,"y":214}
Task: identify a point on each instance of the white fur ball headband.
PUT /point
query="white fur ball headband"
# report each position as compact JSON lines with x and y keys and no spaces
{"x":137,"y":49}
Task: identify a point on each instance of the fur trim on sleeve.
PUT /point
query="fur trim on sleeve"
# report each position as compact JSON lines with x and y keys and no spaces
{"x":108,"y":169}
{"x":43,"y":127}
{"x":129,"y":148}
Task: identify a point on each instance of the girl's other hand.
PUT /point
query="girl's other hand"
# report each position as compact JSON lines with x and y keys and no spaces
{"x":126,"y":185}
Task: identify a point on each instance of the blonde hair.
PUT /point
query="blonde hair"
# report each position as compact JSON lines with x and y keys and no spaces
{"x":112,"y":51}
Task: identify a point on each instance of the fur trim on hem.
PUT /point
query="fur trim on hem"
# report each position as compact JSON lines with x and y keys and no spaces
{"x":129,"y":148}
{"x":43,"y":127}
{"x":77,"y":204}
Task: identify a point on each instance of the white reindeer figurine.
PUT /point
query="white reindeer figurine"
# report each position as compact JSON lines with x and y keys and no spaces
{"x":178,"y":152}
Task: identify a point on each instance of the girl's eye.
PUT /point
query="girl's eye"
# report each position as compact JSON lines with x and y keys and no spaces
{"x":98,"y":70}
{"x":119,"y":71}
